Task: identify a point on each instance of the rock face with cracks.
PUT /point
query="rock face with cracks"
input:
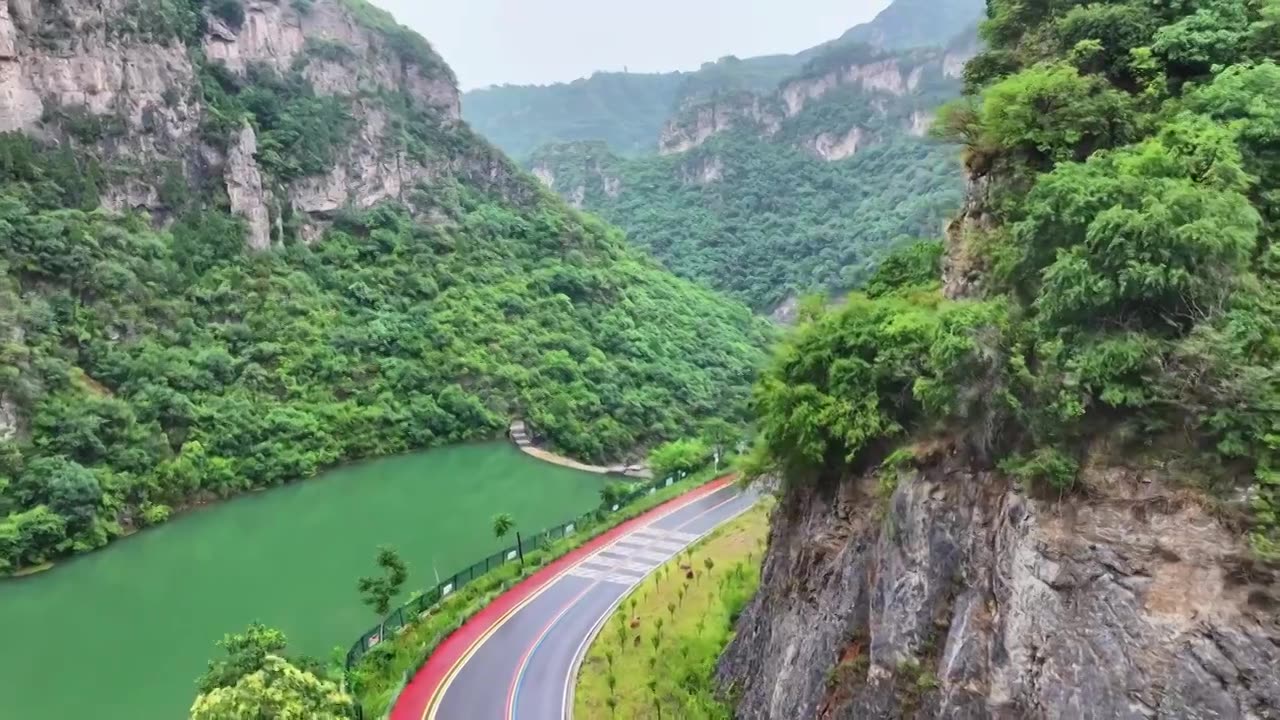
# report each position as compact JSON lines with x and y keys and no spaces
{"x":109,"y":65}
{"x":963,"y":597}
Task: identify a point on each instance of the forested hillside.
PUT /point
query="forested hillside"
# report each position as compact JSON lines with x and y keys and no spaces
{"x":1047,"y":486}
{"x":765,"y":221}
{"x":626,"y":111}
{"x":770,"y":195}
{"x":1113,"y":271}
{"x":247,"y":241}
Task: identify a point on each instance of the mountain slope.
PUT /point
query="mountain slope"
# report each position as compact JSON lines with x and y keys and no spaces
{"x":246,"y":241}
{"x":627,"y":110}
{"x":1038,"y":479}
{"x":916,"y":23}
{"x":768,"y":195}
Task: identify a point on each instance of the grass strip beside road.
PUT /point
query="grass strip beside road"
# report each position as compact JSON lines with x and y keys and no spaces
{"x":656,"y":655}
{"x":379,"y":677}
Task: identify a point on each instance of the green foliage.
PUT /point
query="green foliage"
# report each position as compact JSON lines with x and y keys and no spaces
{"x":1053,"y":113}
{"x":679,"y":456}
{"x":779,"y":221}
{"x":914,"y":266}
{"x":229,"y":11}
{"x":298,"y":132}
{"x":613,"y":493}
{"x":160,"y":21}
{"x":1047,"y":466}
{"x":378,"y":591}
{"x":1129,"y":156}
{"x":380,"y":673}
{"x":327,"y":49}
{"x":843,"y":381}
{"x":246,"y":653}
{"x":411,"y":48}
{"x":624,"y":112}
{"x":159,"y":368}
{"x":503,"y":524}
{"x":277,"y":690}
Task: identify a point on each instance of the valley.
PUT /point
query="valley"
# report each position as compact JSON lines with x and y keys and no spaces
{"x":950,"y":345}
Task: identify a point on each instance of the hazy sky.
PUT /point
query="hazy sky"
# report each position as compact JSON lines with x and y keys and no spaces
{"x":490,"y":42}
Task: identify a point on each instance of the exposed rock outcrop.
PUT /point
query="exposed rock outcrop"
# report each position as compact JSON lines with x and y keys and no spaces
{"x":832,"y":147}
{"x":244,"y":189}
{"x":921,"y":121}
{"x":883,"y":76}
{"x":899,"y":91}
{"x":963,"y":597}
{"x":545,"y":175}
{"x":703,"y":170}
{"x":698,"y":122}
{"x":79,"y":64}
{"x":961,"y":265}
{"x":587,"y":170}
{"x":8,"y":417}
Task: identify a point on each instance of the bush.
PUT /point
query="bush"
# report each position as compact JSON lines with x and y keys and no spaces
{"x":679,"y":456}
{"x":1045,"y":466}
{"x":229,"y":11}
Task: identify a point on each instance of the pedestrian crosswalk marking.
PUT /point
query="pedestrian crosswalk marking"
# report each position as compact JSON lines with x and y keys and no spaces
{"x":590,"y":574}
{"x":633,"y":556}
{"x":683,"y":538}
{"x":636,"y":554}
{"x":642,"y":543}
{"x":624,"y":565}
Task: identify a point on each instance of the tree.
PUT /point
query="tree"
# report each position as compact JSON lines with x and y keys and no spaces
{"x":276,"y":691}
{"x":65,"y":486}
{"x":678,"y":456}
{"x":246,"y":653}
{"x":719,"y":432}
{"x":378,"y":592}
{"x":612,"y":494}
{"x":503,"y":523}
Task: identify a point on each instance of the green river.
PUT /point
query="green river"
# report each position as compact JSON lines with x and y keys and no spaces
{"x":124,"y":632}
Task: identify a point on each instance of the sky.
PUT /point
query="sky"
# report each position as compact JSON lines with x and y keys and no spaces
{"x":491,"y":42}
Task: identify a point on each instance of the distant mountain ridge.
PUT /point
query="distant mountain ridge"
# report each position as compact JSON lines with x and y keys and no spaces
{"x":628,"y":111}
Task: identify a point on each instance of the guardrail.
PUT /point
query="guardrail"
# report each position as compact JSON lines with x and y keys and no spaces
{"x":406,"y":614}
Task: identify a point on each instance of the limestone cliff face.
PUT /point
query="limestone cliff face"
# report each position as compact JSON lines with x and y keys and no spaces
{"x":832,"y":146}
{"x":578,"y":170}
{"x":78,"y":59}
{"x":699,"y":121}
{"x":834,"y":108}
{"x":887,"y":76}
{"x":963,"y":597}
{"x":72,"y":59}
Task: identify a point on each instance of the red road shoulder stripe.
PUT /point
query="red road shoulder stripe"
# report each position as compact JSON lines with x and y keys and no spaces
{"x":413,"y":701}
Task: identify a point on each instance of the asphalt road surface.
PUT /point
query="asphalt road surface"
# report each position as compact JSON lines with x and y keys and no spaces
{"x":525,"y":668}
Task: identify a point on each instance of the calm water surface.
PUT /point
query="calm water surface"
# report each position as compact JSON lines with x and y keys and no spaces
{"x":124,"y":632}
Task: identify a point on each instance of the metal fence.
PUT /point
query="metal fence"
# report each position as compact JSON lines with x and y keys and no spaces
{"x":408,"y":613}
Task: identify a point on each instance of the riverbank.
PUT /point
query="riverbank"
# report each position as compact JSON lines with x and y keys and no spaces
{"x":386,"y":669}
{"x":519,"y":434}
{"x":159,"y":601}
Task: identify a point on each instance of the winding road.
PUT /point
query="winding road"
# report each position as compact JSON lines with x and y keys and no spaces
{"x":518,"y":659}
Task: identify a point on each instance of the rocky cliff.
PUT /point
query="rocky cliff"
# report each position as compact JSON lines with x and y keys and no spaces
{"x":845,"y":98}
{"x":959,"y":595}
{"x":133,"y":84}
